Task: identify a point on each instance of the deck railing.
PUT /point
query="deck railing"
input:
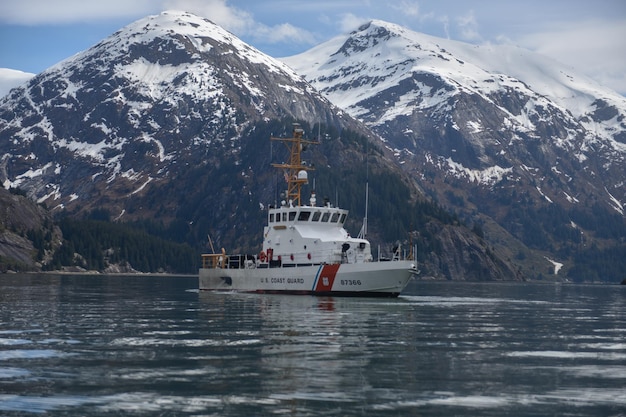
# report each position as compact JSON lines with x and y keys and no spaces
{"x":214,"y":260}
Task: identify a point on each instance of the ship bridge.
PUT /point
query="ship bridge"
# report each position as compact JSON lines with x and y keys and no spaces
{"x":312,"y":235}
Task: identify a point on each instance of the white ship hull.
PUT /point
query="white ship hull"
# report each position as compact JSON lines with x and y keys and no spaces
{"x":382,"y":279}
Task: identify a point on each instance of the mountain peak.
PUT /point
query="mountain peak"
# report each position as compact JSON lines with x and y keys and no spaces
{"x":376,"y":25}
{"x":367,"y":36}
{"x":485,"y":128}
{"x":380,"y":54}
{"x":173,"y":38}
{"x":151,"y":97}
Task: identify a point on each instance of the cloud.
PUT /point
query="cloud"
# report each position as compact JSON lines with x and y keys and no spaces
{"x":349,"y":22}
{"x":242,"y":23}
{"x":218,"y":11}
{"x":445,"y":22}
{"x":597,"y":48}
{"x":33,"y":12}
{"x":284,"y":32}
{"x":11,"y":78}
{"x":468,"y":27}
{"x":407,"y":8}
{"x":238,"y":21}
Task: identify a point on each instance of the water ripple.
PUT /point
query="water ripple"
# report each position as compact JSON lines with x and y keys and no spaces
{"x":129,"y":345}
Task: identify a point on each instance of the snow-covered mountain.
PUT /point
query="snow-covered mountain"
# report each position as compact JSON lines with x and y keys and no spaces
{"x":167,"y":123}
{"x":497,"y":132}
{"x":10,"y":78}
{"x":169,"y":120}
{"x":164,"y":88}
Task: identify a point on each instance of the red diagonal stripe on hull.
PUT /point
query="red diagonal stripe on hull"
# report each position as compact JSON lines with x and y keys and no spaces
{"x":327,"y":277}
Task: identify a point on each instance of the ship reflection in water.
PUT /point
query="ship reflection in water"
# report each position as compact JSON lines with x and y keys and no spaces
{"x":85,"y":345}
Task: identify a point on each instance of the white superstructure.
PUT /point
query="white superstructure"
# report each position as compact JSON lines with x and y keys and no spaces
{"x":312,"y":235}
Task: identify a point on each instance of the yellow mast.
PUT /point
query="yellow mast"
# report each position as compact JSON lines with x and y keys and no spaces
{"x":295,"y":170}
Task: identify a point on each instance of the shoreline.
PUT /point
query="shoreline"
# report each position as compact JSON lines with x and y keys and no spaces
{"x":97,"y":273}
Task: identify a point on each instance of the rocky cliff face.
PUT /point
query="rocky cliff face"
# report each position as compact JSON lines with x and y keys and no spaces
{"x":466,"y":256}
{"x":28,"y":236}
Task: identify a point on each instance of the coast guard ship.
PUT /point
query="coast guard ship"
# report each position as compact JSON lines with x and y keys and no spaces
{"x":306,"y":249}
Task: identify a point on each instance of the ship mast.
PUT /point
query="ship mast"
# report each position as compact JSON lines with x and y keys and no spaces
{"x":295,"y":170}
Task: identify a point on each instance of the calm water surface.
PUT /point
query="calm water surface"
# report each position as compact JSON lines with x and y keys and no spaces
{"x":94,"y":345}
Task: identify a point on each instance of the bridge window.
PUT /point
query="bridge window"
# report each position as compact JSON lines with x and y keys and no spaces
{"x":304,"y":216}
{"x":343,"y":218}
{"x":316,"y":216}
{"x":284,"y":217}
{"x":325,"y":217}
{"x":292,"y":216}
{"x":335,"y":218}
{"x":271,"y":217}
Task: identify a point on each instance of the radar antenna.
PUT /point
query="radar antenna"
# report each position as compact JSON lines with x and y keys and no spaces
{"x":295,"y":171}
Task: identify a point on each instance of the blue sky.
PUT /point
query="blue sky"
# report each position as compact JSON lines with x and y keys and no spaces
{"x":589,"y":36}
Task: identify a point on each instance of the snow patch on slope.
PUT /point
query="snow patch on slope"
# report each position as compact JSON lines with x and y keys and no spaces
{"x":488,"y":176}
